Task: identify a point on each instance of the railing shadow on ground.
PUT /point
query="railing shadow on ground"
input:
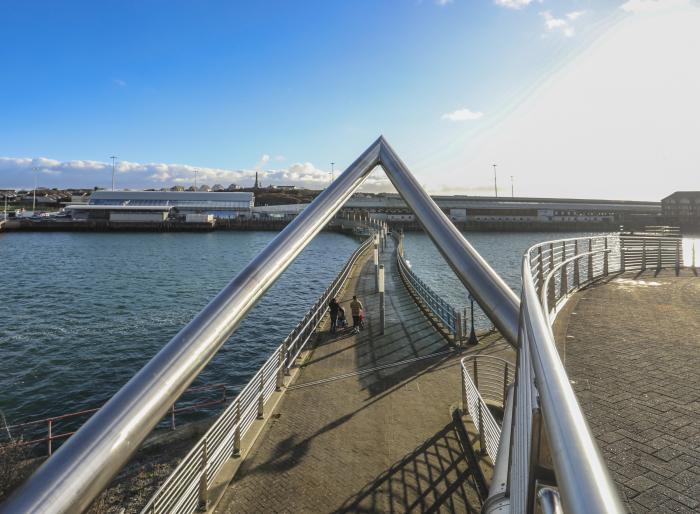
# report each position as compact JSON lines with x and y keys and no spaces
{"x":290,"y":452}
{"x":435,"y":477}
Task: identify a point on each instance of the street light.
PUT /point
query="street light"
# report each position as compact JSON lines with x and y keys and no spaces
{"x":35,"y":186}
{"x":495,"y":184}
{"x":114,"y":158}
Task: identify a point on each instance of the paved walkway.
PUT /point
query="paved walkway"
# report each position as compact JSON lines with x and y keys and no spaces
{"x":380,"y":441}
{"x":633,"y":354}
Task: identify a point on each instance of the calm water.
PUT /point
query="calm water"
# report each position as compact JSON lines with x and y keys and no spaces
{"x":82,"y":312}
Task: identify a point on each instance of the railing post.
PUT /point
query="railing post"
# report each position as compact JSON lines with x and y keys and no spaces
{"x":590,"y":260}
{"x":237,"y":431}
{"x":465,"y":403}
{"x":261,"y":398}
{"x":285,"y":353}
{"x":203,"y":487}
{"x":693,"y":254}
{"x":505,"y":384}
{"x":551,"y":256}
{"x":458,"y":326}
{"x":623,"y":266}
{"x":551,"y":294}
{"x":540,"y":268}
{"x":678,"y":256}
{"x":480,"y":425}
{"x":644,"y":254}
{"x":50,"y":436}
{"x":280,"y":370}
{"x":577,"y":271}
{"x":659,"y":263}
{"x":564,"y":282}
{"x":605,"y":258}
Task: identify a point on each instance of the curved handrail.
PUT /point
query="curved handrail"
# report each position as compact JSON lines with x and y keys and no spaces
{"x":581,"y":473}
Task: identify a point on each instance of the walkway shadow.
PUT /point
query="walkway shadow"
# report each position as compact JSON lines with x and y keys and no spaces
{"x":435,"y":477}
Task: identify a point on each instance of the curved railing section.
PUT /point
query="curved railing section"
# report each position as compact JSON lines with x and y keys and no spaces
{"x":187,"y":488}
{"x":485,"y":382}
{"x":548,"y":435}
{"x":450,"y":317}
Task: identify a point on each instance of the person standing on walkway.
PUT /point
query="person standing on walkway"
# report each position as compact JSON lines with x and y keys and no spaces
{"x":334,"y":307}
{"x":356,"y":309}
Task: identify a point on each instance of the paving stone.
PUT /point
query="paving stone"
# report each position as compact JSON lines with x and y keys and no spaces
{"x":636,"y":348}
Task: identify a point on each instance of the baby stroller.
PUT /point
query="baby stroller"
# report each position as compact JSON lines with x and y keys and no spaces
{"x":342,"y":322}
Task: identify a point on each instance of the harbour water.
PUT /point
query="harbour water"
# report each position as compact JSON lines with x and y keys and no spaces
{"x":83,"y":311}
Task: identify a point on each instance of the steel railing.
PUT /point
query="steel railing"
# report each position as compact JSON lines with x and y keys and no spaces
{"x":187,"y":487}
{"x":58,"y":428}
{"x":485,"y":381}
{"x":450,"y":316}
{"x":545,"y":403}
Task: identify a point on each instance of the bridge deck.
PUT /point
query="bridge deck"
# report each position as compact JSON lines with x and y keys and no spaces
{"x":376,"y":441}
{"x":633,"y":354}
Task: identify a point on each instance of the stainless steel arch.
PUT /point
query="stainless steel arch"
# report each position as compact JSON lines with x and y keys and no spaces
{"x":84,"y":465}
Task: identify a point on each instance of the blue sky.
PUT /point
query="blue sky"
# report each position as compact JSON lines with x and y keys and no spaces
{"x":281,"y":87}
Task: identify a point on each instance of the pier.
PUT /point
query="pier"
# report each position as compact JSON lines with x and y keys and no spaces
{"x":633,"y":354}
{"x":366,"y":426}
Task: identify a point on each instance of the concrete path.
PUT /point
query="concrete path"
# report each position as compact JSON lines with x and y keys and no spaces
{"x":376,"y":441}
{"x":633,"y":354}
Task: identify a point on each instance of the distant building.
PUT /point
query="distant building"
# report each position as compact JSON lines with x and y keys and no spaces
{"x":177,"y":188}
{"x":233,"y":187}
{"x":217,"y":188}
{"x":285,"y":188}
{"x":683,"y":206}
{"x":204,"y":188}
{"x":103,"y":204}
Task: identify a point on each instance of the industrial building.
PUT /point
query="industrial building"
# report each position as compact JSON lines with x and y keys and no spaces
{"x":475,"y":210}
{"x":158,"y":206}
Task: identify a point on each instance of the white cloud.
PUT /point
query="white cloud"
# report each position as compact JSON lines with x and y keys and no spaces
{"x":564,"y":24}
{"x":647,"y":6}
{"x":17,"y":172}
{"x":513,"y":4}
{"x":443,"y":2}
{"x":119,"y":82}
{"x":462,"y":115}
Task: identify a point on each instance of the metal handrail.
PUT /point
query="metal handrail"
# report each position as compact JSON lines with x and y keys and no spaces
{"x":187,"y":486}
{"x":546,"y":401}
{"x":483,"y":386}
{"x":442,"y":309}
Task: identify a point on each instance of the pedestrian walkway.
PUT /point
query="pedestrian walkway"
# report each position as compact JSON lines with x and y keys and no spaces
{"x":633,"y":356}
{"x":358,"y":433}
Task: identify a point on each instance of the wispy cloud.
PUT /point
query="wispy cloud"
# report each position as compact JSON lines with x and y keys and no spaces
{"x":462,"y":115}
{"x":513,"y":4}
{"x":564,"y":25}
{"x":443,"y":2}
{"x":645,"y":6}
{"x":119,"y":82}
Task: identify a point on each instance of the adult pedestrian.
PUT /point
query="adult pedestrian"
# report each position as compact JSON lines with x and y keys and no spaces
{"x":334,"y":307}
{"x":356,"y":310}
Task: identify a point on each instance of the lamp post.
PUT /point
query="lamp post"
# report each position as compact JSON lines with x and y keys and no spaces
{"x":472,"y":334}
{"x":114,"y":158}
{"x":376,"y":263}
{"x":35,"y":186}
{"x":381,"y":298}
{"x":495,"y":184}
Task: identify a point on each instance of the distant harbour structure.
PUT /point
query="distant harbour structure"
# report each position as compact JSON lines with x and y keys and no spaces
{"x":157,"y":206}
